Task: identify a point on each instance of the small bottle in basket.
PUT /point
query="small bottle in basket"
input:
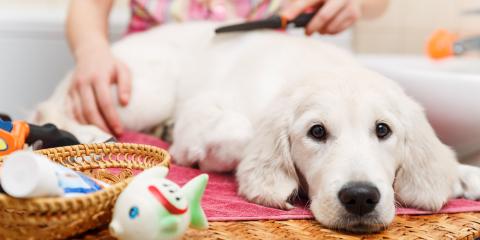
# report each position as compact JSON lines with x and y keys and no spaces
{"x":26,"y":174}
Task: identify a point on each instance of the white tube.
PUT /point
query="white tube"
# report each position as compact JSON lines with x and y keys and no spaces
{"x":26,"y":174}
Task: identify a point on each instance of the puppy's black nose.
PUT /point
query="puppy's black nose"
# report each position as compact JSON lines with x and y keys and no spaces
{"x":359,"y":198}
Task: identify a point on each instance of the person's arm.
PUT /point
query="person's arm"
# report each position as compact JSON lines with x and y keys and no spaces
{"x":87,"y":25}
{"x":373,"y":8}
{"x":335,"y":15}
{"x":96,"y":67}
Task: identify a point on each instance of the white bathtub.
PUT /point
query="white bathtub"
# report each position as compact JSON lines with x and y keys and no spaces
{"x":449,"y":90}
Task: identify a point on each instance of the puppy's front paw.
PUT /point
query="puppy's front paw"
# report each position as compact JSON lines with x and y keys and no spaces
{"x":272,"y":201}
{"x":470,"y":181}
{"x":266,"y":190}
{"x":90,"y":134}
{"x":205,"y":157}
{"x":216,"y":143}
{"x":187,"y":155}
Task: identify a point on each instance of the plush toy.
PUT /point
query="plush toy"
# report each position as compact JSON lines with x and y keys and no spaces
{"x":153,"y":207}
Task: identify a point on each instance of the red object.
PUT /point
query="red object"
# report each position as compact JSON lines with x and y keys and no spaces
{"x":221,"y":202}
{"x":164,"y":201}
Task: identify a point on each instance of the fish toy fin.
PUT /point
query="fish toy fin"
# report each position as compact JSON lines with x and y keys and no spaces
{"x":193,"y":191}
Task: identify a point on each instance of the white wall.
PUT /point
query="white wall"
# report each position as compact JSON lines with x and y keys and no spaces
{"x":34,"y":55}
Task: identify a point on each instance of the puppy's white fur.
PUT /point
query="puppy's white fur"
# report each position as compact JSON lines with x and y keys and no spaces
{"x":251,"y":99}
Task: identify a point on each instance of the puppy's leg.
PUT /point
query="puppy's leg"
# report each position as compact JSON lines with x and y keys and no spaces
{"x":48,"y":112}
{"x":210,"y":134}
{"x":469,"y":186}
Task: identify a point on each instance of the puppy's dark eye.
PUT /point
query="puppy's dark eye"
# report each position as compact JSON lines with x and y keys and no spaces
{"x":318,"y":132}
{"x":383,"y":131}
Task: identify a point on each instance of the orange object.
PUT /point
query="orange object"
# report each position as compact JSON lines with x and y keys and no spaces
{"x":440,"y":44}
{"x":15,"y":139}
{"x":284,"y":22}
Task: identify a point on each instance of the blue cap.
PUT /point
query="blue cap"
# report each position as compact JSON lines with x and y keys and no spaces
{"x":6,"y":125}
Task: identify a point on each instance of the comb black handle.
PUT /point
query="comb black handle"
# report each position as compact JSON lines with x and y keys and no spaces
{"x":272,"y":22}
{"x":303,"y":19}
{"x":50,"y":136}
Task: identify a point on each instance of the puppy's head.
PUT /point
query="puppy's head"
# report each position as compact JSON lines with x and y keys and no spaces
{"x":357,"y":144}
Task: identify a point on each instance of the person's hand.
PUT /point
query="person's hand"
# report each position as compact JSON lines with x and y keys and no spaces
{"x":333,"y":17}
{"x":90,"y":90}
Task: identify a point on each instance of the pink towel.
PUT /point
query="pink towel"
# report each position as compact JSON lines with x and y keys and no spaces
{"x":221,"y":202}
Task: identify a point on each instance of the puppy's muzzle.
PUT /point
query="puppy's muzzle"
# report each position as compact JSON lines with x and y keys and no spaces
{"x":359,"y":198}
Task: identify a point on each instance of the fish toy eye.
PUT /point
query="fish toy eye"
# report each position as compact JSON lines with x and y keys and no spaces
{"x":133,"y":212}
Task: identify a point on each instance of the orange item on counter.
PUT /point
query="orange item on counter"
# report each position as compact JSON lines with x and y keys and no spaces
{"x":440,"y":44}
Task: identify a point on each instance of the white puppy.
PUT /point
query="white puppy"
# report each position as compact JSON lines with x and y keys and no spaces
{"x":294,"y":113}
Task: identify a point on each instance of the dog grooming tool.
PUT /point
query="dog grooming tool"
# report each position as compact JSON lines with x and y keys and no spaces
{"x":442,"y":44}
{"x":273,"y":22}
{"x":15,"y":134}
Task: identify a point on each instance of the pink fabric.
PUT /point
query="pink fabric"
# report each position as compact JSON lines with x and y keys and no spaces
{"x":147,"y":14}
{"x":221,"y":202}
{"x":140,"y":138}
{"x":453,"y":206}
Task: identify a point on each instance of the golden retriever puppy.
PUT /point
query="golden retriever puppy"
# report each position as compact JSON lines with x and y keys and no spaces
{"x":287,"y":114}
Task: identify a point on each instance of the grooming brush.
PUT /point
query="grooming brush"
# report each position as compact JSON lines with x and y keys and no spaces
{"x":442,"y":44}
{"x":15,"y":134}
{"x":273,"y":22}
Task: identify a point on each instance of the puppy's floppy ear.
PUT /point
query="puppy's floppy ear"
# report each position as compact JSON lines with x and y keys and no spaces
{"x":266,"y":174}
{"x":428,"y":168}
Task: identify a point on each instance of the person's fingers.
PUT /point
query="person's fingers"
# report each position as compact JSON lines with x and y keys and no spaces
{"x":323,"y":30}
{"x":296,"y":7}
{"x":124,"y":81}
{"x":76,"y":106}
{"x":343,"y":26}
{"x":89,"y":108}
{"x":324,"y":15}
{"x":347,"y":15}
{"x":107,"y":109}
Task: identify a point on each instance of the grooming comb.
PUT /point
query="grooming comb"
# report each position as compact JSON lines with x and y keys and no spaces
{"x":273,"y":22}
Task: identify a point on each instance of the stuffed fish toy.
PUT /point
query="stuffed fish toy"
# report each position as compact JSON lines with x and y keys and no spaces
{"x":153,"y":207}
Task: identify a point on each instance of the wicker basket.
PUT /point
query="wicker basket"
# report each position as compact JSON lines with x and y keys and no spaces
{"x":59,"y":218}
{"x":464,"y":226}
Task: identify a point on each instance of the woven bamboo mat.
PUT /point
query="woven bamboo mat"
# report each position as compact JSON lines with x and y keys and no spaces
{"x":465,"y":226}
